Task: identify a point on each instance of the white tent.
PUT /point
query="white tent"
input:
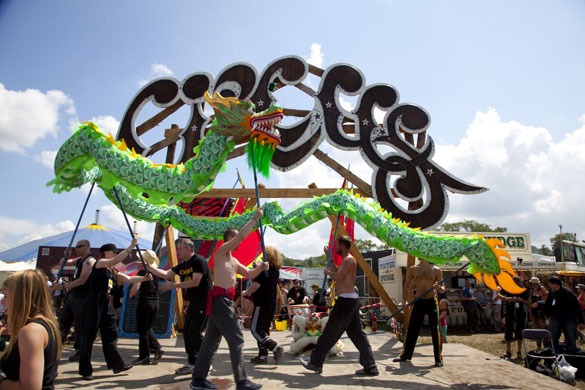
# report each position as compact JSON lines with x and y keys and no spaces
{"x":6,"y":269}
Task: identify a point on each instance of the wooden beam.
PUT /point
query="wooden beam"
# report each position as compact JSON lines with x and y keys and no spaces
{"x":364,"y":187}
{"x":366,"y":268}
{"x":269,"y":193}
{"x":173,"y":261}
{"x":316,"y":71}
{"x":295,"y":112}
{"x":237,"y":152}
{"x":251,"y":203}
{"x":171,"y":142}
{"x":158,"y":118}
{"x":308,"y":90}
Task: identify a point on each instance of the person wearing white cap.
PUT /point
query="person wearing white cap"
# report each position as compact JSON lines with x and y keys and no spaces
{"x":146,"y":312}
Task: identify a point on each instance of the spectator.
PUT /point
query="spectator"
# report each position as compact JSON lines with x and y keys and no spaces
{"x":283,"y":292}
{"x":562,"y":307}
{"x":581,"y":299}
{"x":58,"y":295}
{"x":483,"y":308}
{"x":31,"y":359}
{"x":496,"y":304}
{"x":515,"y":318}
{"x":469,"y":302}
{"x":443,"y":313}
{"x":297,"y":295}
{"x":319,"y":299}
{"x":538,"y":295}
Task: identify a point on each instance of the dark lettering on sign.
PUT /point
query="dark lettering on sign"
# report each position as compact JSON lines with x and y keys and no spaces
{"x":409,"y":171}
{"x":512,"y":242}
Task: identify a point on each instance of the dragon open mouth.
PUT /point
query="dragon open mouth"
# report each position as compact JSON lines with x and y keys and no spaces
{"x":264,"y":128}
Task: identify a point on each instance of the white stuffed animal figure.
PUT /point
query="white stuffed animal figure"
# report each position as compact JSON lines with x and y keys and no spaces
{"x":306,"y":332}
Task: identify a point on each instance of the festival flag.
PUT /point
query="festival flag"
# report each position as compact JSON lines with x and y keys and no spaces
{"x":349,"y":226}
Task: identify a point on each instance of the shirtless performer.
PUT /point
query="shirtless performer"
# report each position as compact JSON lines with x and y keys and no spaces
{"x":424,"y":276}
{"x":344,"y":317}
{"x":223,"y":320}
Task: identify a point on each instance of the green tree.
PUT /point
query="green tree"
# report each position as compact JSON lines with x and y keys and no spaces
{"x":544,"y":250}
{"x":470,"y":225}
{"x":288,"y":261}
{"x":556,"y":240}
{"x":365,"y":245}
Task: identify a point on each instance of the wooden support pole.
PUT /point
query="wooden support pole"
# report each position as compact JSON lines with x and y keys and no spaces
{"x":170,"y":158}
{"x":158,"y":118}
{"x":410,"y":259}
{"x":251,"y":203}
{"x":364,"y":187}
{"x":173,"y":261}
{"x":366,"y":268}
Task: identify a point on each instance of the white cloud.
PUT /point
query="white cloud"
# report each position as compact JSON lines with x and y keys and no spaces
{"x":112,"y":217}
{"x":46,"y":158}
{"x":535,"y":183}
{"x":316,"y":56}
{"x":30,"y":115}
{"x":160,"y":70}
{"x":15,"y":232}
{"x":107,"y":123}
{"x":156,"y":70}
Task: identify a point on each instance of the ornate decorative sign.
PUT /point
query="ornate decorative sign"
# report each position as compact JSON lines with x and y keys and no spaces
{"x":408,"y":173}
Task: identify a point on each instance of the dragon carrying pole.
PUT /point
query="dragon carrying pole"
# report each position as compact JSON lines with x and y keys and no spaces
{"x":258,"y":203}
{"x":130,"y":228}
{"x":74,"y":233}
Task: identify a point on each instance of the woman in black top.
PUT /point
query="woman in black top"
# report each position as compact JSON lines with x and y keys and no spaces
{"x":146,"y":312}
{"x":31,"y":358}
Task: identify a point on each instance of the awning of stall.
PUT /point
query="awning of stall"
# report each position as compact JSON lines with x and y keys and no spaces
{"x":568,"y":268}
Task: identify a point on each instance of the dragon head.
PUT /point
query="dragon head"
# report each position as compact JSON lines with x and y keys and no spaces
{"x":238,"y":118}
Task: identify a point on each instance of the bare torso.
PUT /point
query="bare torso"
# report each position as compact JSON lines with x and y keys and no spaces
{"x":346,"y":284}
{"x":423,"y":275}
{"x":224,"y":270}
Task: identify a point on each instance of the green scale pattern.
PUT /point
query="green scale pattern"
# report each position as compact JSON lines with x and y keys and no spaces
{"x":436,"y":249}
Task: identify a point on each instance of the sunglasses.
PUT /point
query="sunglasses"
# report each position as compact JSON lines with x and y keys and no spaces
{"x":81,"y":246}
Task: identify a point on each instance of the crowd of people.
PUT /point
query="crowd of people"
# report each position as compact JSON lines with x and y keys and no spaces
{"x":545,"y":304}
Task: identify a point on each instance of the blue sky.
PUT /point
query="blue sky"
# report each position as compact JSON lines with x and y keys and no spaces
{"x":503,"y":82}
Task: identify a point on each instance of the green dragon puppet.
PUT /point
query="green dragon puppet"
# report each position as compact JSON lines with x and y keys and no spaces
{"x":151,"y":191}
